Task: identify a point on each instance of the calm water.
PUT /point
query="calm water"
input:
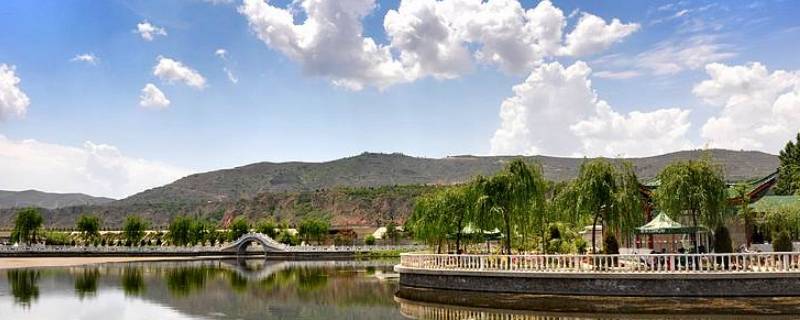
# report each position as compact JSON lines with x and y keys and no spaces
{"x":230,"y":290}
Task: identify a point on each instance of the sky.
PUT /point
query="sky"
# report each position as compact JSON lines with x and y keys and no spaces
{"x":110,"y":98}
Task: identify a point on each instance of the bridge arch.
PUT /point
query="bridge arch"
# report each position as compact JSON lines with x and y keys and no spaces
{"x":267,"y":243}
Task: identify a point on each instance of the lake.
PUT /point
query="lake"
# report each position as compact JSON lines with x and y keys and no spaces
{"x":233,"y":289}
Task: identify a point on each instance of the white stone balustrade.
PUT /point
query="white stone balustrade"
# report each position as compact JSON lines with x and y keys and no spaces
{"x":767,"y":262}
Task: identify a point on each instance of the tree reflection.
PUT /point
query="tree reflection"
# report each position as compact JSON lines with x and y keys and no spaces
{"x":86,"y":283}
{"x":238,"y":283}
{"x":183,"y":281}
{"x":311,"y":279}
{"x":132,"y":281}
{"x":24,"y":286}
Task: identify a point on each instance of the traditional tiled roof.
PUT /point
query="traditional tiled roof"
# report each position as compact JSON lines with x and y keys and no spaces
{"x":770,"y":202}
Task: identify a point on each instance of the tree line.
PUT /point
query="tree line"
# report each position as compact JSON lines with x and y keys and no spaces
{"x":528,"y":212}
{"x":182,"y":231}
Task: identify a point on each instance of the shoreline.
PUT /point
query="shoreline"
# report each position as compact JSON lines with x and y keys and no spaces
{"x":8,"y":263}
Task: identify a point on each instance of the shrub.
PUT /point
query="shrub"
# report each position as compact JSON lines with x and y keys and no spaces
{"x":610,"y":245}
{"x":286,"y":238}
{"x":554,"y":232}
{"x":722,"y":240}
{"x":581,"y":245}
{"x":370,"y":240}
{"x":782,"y":242}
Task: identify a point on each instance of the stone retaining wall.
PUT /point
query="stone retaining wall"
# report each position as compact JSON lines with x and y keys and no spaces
{"x":642,"y":285}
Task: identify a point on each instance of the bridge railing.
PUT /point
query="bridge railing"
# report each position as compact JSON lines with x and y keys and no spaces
{"x":779,"y":262}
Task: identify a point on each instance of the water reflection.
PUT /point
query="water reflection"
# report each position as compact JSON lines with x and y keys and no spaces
{"x":133,"y":281}
{"x":231,"y":289}
{"x":429,"y":311}
{"x":86,"y":283}
{"x":23,"y":283}
{"x":184,"y":280}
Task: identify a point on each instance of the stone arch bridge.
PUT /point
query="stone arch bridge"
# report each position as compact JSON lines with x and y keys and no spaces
{"x":241,"y":244}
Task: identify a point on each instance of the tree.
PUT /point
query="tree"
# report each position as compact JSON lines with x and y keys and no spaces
{"x":134,"y":228}
{"x":722,"y":240}
{"x":789,"y":169}
{"x":27,"y":225}
{"x":179,"y":230}
{"x":268,"y":227}
{"x":313,"y":228}
{"x":782,"y":242}
{"x":610,"y":244}
{"x":496,"y":203}
{"x":610,"y":196}
{"x":425,"y":221}
{"x":89,"y":226}
{"x":696,"y":187}
{"x":370,"y":240}
{"x":239,"y":227}
{"x":199,"y":231}
{"x":528,"y":189}
{"x":392,"y":232}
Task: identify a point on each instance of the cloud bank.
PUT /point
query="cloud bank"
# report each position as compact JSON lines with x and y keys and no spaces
{"x":442,"y":39}
{"x":96,"y":169}
{"x":555,"y":111}
{"x":758,"y":109}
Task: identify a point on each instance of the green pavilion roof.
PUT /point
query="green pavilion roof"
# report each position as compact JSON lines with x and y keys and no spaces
{"x":663,"y":224}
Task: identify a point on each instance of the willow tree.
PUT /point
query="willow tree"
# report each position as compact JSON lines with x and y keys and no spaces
{"x":696,"y":187}
{"x":88,"y":226}
{"x":27,"y":225}
{"x":528,"y":188}
{"x":428,"y":221}
{"x":462,"y":205}
{"x":628,"y":207}
{"x":495,"y":204}
{"x":610,"y":196}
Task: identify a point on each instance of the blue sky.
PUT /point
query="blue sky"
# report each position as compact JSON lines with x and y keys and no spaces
{"x":287,"y":105}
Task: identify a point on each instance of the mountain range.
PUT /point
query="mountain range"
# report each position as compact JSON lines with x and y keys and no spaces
{"x":356,"y":190}
{"x":34,"y":198}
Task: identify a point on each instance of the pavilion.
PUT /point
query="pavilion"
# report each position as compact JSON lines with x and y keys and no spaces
{"x":662,"y":230}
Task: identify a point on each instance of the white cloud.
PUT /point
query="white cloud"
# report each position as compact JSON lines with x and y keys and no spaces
{"x":428,"y":42}
{"x":96,"y":169}
{"x":593,"y":34}
{"x":13,"y":102}
{"x":623,"y":74}
{"x":231,"y":77}
{"x":760,"y":109}
{"x":89,"y":58}
{"x":440,"y":39}
{"x":149,"y":31}
{"x":221,"y":53}
{"x":329,"y":42}
{"x":152,"y":97}
{"x":670,"y":57}
{"x":171,"y":71}
{"x":555,"y":111}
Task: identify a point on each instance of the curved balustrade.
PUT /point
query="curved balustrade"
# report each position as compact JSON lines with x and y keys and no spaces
{"x":780,"y":262}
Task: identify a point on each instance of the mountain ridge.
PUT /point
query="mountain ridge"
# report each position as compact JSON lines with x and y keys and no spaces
{"x":370,"y":188}
{"x":381,"y":169}
{"x":47,"y":200}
